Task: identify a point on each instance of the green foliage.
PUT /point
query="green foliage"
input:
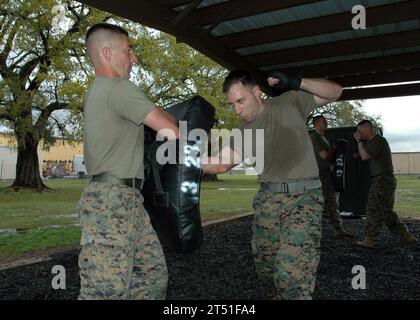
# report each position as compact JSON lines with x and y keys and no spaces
{"x":43,"y":66}
{"x":230,"y":196}
{"x":344,"y":114}
{"x":170,"y":72}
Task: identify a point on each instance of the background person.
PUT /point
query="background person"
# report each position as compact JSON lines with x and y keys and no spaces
{"x":375,"y":149}
{"x":324,"y":155}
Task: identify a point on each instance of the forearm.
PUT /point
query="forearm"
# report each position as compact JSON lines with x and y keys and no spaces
{"x":362,"y":152}
{"x":327,"y":155}
{"x":171,"y":118}
{"x":209,"y":168}
{"x":322,"y":88}
{"x":220,"y":163}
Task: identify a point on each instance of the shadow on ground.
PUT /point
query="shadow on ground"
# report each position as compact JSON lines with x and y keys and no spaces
{"x":222,"y":268}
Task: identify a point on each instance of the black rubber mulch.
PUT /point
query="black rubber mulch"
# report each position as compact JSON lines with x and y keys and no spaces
{"x":222,"y":268}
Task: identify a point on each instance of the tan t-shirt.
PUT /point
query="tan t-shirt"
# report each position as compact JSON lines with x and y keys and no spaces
{"x":320,"y":143}
{"x":288,"y":151}
{"x":381,"y":157}
{"x":114,"y":133}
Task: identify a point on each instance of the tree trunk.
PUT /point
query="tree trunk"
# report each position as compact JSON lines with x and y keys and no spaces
{"x":27,"y":165}
{"x":209,"y":177}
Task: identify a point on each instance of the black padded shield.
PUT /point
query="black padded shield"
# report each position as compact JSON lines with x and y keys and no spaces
{"x":340,"y":165}
{"x":172,"y":191}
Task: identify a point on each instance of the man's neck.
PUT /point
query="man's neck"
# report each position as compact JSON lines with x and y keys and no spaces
{"x":262,"y":105}
{"x":371,"y":137}
{"x":320,"y":132}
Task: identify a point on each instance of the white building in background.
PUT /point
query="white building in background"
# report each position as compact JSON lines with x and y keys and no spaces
{"x":406,"y":162}
{"x":8,"y":159}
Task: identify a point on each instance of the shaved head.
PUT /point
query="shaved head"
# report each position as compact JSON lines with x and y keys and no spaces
{"x":102,"y":35}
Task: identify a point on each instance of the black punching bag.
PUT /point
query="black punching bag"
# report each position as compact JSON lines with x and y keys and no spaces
{"x":340,"y":165}
{"x":171,"y":191}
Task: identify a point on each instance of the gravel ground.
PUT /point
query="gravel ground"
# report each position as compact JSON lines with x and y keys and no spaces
{"x":222,"y":268}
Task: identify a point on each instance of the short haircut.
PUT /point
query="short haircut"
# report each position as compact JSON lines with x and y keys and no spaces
{"x":366,"y":123}
{"x":235,"y":76}
{"x":106,"y":26}
{"x":316,"y":118}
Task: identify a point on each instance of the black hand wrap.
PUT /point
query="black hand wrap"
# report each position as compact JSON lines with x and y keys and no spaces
{"x":286,"y":82}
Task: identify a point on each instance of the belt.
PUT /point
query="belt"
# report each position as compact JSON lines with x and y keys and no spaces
{"x":387,"y":173}
{"x":108,"y":178}
{"x":292,"y":186}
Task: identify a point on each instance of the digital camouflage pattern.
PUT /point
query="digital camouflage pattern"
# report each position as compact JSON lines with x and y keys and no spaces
{"x":380,"y":207}
{"x":121,"y":257}
{"x":330,"y":200}
{"x":286,"y":242}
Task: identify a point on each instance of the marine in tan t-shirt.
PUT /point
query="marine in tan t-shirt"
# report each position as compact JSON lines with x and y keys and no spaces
{"x":288,"y":153}
{"x":114,"y":132}
{"x":287,"y":223}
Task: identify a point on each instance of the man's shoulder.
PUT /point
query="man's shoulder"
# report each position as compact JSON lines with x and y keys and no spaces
{"x":315,"y":136}
{"x":286,"y":96}
{"x":379,"y":139}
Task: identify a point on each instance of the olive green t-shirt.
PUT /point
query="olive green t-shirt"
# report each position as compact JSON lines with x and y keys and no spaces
{"x":114,"y":132}
{"x":288,"y":151}
{"x":320,"y":143}
{"x":380,"y":153}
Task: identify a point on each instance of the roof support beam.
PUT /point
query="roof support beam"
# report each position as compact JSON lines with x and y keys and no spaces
{"x":400,"y":11}
{"x":234,"y":5}
{"x":189,"y":31}
{"x":378,"y":78}
{"x":363,"y":66}
{"x":339,"y":48}
{"x":206,"y":15}
{"x":172,"y":3}
{"x":381,"y":92}
{"x":185,"y":13}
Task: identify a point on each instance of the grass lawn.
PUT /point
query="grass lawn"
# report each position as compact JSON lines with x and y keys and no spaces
{"x":37,"y":212}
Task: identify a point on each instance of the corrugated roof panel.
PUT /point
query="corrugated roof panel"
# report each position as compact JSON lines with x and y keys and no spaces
{"x":307,"y":11}
{"x":332,"y":37}
{"x":204,"y":3}
{"x":343,"y":58}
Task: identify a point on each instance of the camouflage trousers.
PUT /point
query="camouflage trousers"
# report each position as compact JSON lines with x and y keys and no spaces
{"x":286,"y":242}
{"x":380,"y":207}
{"x":330,"y":200}
{"x":121,"y":256}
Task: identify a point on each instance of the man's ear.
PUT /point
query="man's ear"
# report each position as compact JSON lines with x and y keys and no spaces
{"x":257,"y":91}
{"x":106,"y":53}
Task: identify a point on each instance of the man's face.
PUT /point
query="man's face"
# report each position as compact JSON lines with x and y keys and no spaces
{"x":244,"y":100}
{"x":363,"y":132}
{"x":321,"y":124}
{"x":123,"y":57}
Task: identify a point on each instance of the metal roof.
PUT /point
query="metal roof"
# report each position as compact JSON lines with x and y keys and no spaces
{"x":309,"y":38}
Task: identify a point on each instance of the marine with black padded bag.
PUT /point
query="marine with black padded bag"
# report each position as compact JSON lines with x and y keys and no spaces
{"x":121,"y":256}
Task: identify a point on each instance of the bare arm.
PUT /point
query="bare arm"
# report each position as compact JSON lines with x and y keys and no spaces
{"x":326,"y":155}
{"x":158,"y":119}
{"x":361,"y":148}
{"x":323,"y":90}
{"x":222,"y":163}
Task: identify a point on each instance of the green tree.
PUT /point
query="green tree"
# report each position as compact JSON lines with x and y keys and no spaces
{"x":170,"y":72}
{"x":43,"y":74}
{"x":344,"y":114}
